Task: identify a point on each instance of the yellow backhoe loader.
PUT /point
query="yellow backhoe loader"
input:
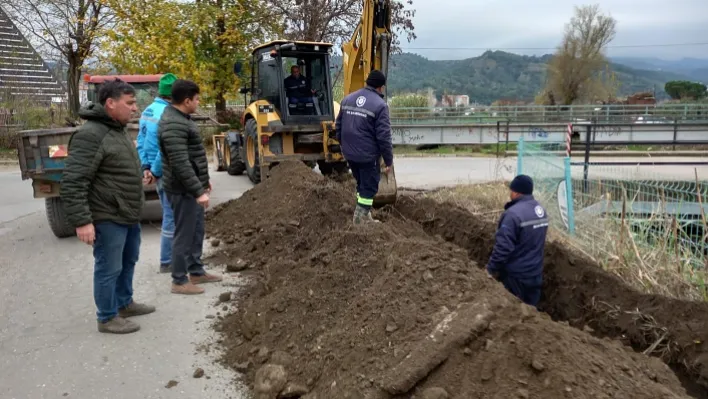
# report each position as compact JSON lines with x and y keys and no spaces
{"x":281,"y":123}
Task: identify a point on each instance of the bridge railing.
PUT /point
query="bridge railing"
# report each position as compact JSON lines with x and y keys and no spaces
{"x":644,"y":222}
{"x":664,"y":113}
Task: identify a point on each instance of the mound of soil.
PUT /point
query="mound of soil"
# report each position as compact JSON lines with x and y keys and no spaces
{"x":578,"y":291}
{"x":391,"y":310}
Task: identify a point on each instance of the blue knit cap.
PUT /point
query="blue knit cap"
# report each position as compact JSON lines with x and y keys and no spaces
{"x":522,"y":184}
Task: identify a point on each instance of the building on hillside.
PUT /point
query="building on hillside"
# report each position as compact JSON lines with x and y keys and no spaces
{"x":23,"y":73}
{"x":459,"y":100}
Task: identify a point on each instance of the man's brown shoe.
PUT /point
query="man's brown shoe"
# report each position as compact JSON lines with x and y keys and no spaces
{"x":206,"y":278}
{"x":135,"y":309}
{"x":118,"y":325}
{"x":187,"y":289}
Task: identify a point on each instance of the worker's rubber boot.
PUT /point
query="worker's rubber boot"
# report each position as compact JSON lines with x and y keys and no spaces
{"x":118,"y":325}
{"x":370,"y":218}
{"x":204,"y":279}
{"x":187,"y":289}
{"x":135,"y":309}
{"x":359,"y":215}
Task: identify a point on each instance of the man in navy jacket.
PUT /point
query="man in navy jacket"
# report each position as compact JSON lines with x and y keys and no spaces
{"x":363,"y":130}
{"x":517,"y":258}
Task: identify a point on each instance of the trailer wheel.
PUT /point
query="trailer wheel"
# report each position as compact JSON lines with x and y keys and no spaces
{"x":56,"y":217}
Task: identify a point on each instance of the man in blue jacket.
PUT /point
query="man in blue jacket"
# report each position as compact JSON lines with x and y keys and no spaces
{"x":517,"y":258}
{"x":363,"y":130}
{"x":149,"y":152}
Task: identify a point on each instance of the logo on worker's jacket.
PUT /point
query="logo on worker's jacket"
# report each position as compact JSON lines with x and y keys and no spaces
{"x":360,"y":101}
{"x":539,"y":211}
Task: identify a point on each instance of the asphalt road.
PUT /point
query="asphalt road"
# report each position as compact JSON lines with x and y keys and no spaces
{"x":49,"y":346}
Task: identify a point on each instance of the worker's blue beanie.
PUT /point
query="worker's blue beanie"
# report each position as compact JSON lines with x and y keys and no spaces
{"x":522,"y":184}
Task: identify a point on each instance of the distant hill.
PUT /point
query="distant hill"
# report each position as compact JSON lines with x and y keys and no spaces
{"x":498,"y":75}
{"x":693,"y":68}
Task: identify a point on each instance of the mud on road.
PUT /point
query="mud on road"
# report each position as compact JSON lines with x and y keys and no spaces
{"x":404,"y":308}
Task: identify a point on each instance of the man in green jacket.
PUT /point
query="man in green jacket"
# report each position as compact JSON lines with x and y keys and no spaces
{"x":185,"y":174}
{"x":102,"y":191}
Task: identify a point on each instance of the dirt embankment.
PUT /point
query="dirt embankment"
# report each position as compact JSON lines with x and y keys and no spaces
{"x":399,"y":308}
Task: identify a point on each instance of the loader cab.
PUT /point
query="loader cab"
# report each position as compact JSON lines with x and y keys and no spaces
{"x":298,"y":99}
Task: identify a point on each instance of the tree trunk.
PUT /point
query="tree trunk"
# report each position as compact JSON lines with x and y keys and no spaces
{"x":220,"y":103}
{"x":72,"y":84}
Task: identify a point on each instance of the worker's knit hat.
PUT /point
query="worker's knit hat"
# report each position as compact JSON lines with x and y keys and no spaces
{"x":522,"y":184}
{"x":376,"y":79}
{"x":164,"y":88}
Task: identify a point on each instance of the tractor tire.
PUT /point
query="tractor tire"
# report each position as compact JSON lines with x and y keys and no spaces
{"x":250,"y":152}
{"x":328,"y":168}
{"x":236,"y":164}
{"x":56,"y":216}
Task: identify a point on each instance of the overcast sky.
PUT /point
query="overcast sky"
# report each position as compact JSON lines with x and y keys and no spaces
{"x":506,"y":24}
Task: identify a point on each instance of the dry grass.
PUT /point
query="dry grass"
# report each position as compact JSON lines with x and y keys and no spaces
{"x":662,"y":268}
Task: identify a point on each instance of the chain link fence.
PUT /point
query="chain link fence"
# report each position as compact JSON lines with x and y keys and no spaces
{"x":647,"y":222}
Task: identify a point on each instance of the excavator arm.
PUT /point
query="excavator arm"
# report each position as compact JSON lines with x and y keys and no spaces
{"x":367,"y":50}
{"x":370,"y":45}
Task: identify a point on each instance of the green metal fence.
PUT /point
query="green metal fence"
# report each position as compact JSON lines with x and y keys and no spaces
{"x":623,"y":210}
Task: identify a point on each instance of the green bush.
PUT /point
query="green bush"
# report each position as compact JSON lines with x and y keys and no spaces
{"x":409,"y":106}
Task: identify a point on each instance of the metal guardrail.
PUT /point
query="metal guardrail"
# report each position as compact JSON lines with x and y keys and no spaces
{"x":615,"y":113}
{"x":611,"y":113}
{"x":601,"y":134}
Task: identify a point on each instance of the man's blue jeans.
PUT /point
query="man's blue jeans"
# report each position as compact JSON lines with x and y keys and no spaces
{"x":168,"y":227}
{"x":115,"y":252}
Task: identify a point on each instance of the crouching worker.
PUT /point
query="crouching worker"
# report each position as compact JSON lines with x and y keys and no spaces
{"x":363,"y":129}
{"x":517,"y":258}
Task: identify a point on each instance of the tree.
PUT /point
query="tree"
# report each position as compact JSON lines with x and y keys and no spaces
{"x":70,"y":27}
{"x":198,"y":41}
{"x":685,"y":90}
{"x":575,"y":67}
{"x":335,"y":20}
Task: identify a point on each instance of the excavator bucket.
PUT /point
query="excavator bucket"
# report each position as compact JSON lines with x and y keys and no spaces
{"x":387,"y":187}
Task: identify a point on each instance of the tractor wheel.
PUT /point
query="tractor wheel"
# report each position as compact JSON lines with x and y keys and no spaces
{"x":250,"y":148}
{"x":236,"y":164}
{"x":328,"y":168}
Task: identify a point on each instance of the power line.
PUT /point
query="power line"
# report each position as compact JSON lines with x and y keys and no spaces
{"x":554,"y":48}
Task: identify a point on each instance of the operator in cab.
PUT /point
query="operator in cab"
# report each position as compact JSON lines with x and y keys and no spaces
{"x":297,"y":86}
{"x":517,"y":258}
{"x":363,"y":129}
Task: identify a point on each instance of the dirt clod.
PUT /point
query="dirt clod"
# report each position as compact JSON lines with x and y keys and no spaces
{"x":270,"y":380}
{"x":198,"y":373}
{"x":434,"y":393}
{"x":292,"y":390}
{"x":387,"y":310}
{"x":171,"y":384}
{"x":225,"y":297}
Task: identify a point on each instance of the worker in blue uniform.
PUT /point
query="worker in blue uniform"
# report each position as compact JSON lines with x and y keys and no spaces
{"x":517,"y":258}
{"x":363,"y":129}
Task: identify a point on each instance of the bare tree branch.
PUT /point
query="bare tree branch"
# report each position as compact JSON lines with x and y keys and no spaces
{"x":573,"y":73}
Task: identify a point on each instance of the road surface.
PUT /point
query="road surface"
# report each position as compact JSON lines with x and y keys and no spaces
{"x":49,"y":346}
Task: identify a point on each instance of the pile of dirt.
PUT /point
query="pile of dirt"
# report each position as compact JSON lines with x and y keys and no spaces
{"x":578,"y":291}
{"x":390,"y":310}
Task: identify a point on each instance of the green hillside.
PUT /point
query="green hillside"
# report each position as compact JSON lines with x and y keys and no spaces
{"x":498,"y":75}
